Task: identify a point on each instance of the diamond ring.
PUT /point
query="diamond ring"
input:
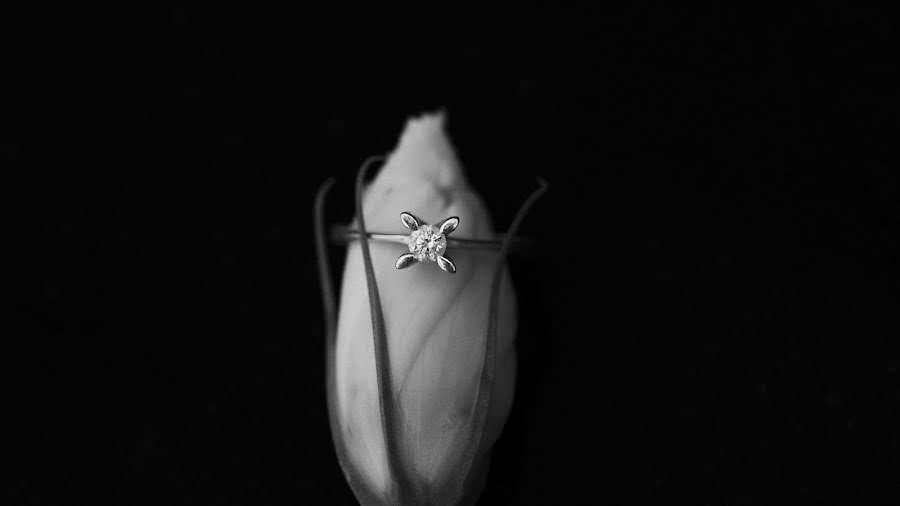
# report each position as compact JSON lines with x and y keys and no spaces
{"x":427,"y":243}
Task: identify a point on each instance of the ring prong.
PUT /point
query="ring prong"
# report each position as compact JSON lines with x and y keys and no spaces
{"x":446,"y":264}
{"x":409,"y":221}
{"x":405,"y":261}
{"x":449,"y":225}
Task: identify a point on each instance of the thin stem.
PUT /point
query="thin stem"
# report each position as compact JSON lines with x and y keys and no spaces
{"x":328,"y":304}
{"x":486,"y":380}
{"x":357,"y":484}
{"x":389,"y":423}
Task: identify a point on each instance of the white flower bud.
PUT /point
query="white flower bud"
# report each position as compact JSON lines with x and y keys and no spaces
{"x":436,"y":323}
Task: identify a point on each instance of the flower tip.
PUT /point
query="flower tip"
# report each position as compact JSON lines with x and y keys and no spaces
{"x":424,"y":154}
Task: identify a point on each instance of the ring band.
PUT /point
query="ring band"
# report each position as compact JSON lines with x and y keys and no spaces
{"x":426,"y":243}
{"x":341,"y":235}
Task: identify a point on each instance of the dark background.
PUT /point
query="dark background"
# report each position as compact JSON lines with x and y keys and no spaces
{"x":708,"y":319}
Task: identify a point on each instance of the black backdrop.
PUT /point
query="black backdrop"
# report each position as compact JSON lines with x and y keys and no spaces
{"x":707,"y":320}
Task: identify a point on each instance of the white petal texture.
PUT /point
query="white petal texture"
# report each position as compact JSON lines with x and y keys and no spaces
{"x":436,"y":322}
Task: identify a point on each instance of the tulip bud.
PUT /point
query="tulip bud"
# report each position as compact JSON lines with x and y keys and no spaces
{"x":436,"y":326}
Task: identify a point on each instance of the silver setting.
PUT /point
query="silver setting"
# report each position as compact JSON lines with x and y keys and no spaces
{"x":409,"y":221}
{"x":446,"y":264}
{"x":405,"y":261}
{"x":427,"y":243}
{"x":449,"y":225}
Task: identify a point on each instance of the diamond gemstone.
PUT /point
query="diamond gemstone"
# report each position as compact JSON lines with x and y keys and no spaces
{"x":427,"y":243}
